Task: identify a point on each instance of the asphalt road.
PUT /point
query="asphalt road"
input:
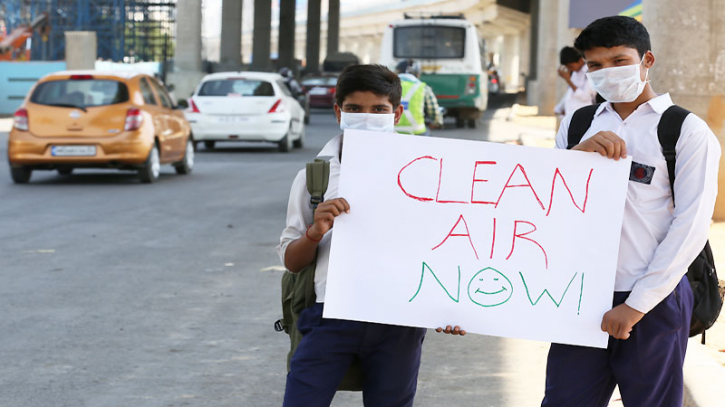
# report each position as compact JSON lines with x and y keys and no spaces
{"x":114,"y":293}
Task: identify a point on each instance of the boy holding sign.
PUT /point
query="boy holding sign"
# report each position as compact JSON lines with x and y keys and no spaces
{"x":368,"y":97}
{"x":650,"y":319}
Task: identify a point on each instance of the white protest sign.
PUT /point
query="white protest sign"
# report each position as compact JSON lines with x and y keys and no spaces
{"x":502,"y":240}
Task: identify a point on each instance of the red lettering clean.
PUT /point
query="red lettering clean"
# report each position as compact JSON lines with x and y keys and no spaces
{"x":440,"y":177}
{"x":528,"y":184}
{"x":400,"y":184}
{"x":473,"y":184}
{"x":583,"y":208}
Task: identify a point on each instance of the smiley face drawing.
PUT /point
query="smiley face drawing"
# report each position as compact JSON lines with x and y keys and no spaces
{"x":490,"y":288}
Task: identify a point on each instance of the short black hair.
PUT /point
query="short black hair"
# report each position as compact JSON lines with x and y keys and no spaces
{"x":609,"y":32}
{"x":569,"y":55}
{"x":369,"y":78}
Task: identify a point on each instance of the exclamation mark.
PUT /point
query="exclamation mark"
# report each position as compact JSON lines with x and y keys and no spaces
{"x":580,"y":295}
{"x":493,"y":238}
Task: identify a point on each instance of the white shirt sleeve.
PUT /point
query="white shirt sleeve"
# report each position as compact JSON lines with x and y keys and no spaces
{"x":562,"y":137}
{"x":584,"y":93}
{"x":299,"y":214}
{"x":559,"y":108}
{"x":696,"y":172}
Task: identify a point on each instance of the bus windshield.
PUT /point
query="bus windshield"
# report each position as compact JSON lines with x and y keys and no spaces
{"x":429,"y":42}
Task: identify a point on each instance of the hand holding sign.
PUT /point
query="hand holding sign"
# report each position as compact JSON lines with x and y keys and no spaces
{"x":325,"y":215}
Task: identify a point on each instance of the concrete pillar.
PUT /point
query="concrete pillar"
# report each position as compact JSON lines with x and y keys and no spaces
{"x":525,"y":52}
{"x":287,"y":27}
{"x":231,"y":39}
{"x":314,"y":8}
{"x":81,"y":49}
{"x":546,"y":57}
{"x":187,"y":60}
{"x":695,"y":82}
{"x":532,"y":89}
{"x":333,"y":27}
{"x":262,"y":36}
{"x":188,"y":36}
{"x":510,"y":62}
{"x":565,"y":37}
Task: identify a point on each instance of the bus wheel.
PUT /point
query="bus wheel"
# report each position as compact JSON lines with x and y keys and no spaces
{"x":460,"y":123}
{"x":472,"y":123}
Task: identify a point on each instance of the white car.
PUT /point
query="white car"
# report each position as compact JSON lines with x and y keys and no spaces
{"x":245,"y":106}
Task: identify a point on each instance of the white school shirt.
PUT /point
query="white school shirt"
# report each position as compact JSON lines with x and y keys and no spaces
{"x":574,"y":100}
{"x":659,"y":241}
{"x":299,"y":214}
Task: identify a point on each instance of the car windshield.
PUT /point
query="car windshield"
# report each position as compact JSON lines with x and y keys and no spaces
{"x":236,"y":87}
{"x":429,"y":42}
{"x":321,"y":81}
{"x":81,"y":93}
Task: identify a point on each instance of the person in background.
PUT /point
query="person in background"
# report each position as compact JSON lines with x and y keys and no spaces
{"x":418,"y":101}
{"x":574,"y":70}
{"x":289,"y":80}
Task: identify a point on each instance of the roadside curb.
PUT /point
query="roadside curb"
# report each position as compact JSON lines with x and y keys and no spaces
{"x":704,"y":376}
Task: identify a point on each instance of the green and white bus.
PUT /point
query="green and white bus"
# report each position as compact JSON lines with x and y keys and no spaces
{"x":449,"y":52}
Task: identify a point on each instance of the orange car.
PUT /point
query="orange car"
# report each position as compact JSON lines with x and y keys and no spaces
{"x":89,"y":119}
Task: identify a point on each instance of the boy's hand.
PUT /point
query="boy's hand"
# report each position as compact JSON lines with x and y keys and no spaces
{"x":564,"y":72}
{"x":325,"y":216}
{"x":605,"y":143}
{"x":452,"y":331}
{"x":620,"y":320}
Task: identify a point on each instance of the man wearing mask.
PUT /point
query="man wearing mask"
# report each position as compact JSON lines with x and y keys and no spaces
{"x":367,"y":98}
{"x":650,"y":318}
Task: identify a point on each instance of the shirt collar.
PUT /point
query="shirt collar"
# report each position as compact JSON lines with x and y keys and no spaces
{"x":332,"y":148}
{"x":658,"y":104}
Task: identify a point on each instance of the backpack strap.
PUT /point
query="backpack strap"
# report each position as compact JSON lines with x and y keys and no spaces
{"x":580,"y":123}
{"x":668,"y":132}
{"x":318,"y":177}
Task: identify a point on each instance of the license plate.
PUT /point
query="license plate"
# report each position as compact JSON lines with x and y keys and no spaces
{"x":318,"y":91}
{"x":232,"y":119}
{"x":73,"y":151}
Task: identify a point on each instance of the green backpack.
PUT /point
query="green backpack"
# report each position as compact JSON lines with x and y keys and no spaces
{"x":298,"y":289}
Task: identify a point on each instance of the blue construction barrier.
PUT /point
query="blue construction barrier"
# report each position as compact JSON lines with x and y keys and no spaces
{"x":16,"y":79}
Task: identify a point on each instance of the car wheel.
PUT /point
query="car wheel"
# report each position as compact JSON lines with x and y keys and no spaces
{"x":187,"y":163}
{"x":285,"y":145}
{"x":65,"y":171}
{"x":300,"y":142}
{"x":209,"y":144}
{"x":20,"y":175}
{"x":149,"y":173}
{"x":472,"y":123}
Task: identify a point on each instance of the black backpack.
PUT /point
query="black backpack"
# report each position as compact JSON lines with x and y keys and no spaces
{"x":701,"y":274}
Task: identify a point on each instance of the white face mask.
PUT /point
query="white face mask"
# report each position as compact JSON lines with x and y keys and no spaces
{"x":383,"y":122}
{"x":621,"y":84}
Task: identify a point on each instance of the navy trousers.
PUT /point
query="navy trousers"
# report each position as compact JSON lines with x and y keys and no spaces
{"x":647,"y":366}
{"x":390,"y":358}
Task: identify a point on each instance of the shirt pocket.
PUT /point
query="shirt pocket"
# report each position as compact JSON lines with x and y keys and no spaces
{"x":649,"y":182}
